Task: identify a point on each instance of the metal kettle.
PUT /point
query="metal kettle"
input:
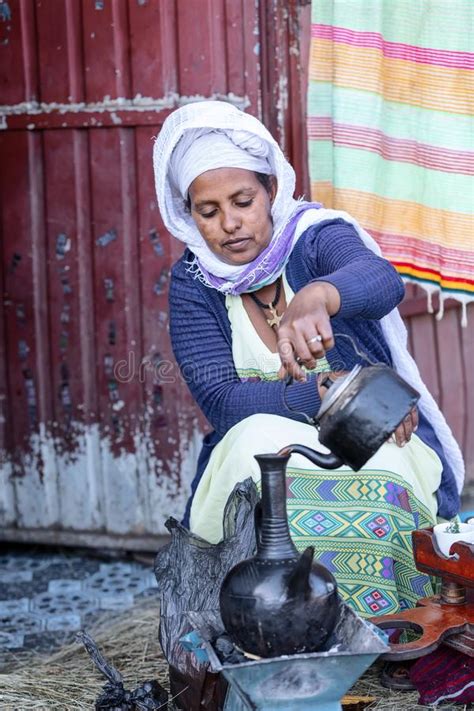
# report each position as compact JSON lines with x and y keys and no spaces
{"x":358,"y":414}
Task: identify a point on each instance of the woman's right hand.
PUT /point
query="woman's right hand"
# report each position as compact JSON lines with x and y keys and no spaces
{"x":305,"y":332}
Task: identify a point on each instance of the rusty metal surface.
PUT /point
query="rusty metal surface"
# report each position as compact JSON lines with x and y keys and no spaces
{"x":98,"y":432}
{"x":444,"y":351}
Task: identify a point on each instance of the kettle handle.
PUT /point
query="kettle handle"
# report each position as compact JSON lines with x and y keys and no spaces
{"x":360,"y":353}
{"x":325,"y":461}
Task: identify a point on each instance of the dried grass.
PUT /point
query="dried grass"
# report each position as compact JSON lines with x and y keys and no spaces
{"x":387,"y":700}
{"x":68,"y":681}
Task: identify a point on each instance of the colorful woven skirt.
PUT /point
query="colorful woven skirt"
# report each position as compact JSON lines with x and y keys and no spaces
{"x":360,"y":523}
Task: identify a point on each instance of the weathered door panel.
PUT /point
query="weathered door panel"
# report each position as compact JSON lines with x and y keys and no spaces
{"x":99,"y":432}
{"x":443,"y":351}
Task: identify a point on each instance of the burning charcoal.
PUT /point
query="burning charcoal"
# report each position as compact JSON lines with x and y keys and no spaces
{"x":226,"y":651}
{"x":114,"y":698}
{"x":150,"y":696}
{"x":224,"y":645}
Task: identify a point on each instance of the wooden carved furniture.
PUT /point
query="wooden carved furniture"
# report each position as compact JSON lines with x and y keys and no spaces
{"x":446,"y":618}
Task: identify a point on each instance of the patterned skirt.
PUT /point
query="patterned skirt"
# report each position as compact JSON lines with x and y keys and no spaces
{"x":360,"y":523}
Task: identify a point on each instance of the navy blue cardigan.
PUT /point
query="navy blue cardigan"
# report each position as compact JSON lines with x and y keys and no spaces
{"x":201,"y":337}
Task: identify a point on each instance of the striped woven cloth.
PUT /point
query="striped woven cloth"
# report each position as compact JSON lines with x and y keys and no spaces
{"x":391,"y":130}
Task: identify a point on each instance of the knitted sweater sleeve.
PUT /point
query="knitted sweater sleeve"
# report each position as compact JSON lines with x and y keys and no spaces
{"x":204,"y":356}
{"x":369,"y":286}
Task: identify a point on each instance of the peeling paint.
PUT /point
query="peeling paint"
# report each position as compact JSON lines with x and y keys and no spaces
{"x":109,"y":288}
{"x":65,"y":392}
{"x":138,"y":103}
{"x":98,"y":487}
{"x":23,"y":349}
{"x":63,"y":341}
{"x":63,"y":245}
{"x":117,"y":427}
{"x":31,"y":401}
{"x":88,"y":482}
{"x":157,"y":395}
{"x":108,"y":365}
{"x":65,"y":315}
{"x":14,"y":262}
{"x":156,"y":242}
{"x":99,"y":4}
{"x":160,"y":285}
{"x":21,"y":314}
{"x":112,"y":333}
{"x":112,"y":387}
{"x":5,"y":11}
{"x":107,"y":238}
{"x":241,"y":102}
{"x":67,"y":288}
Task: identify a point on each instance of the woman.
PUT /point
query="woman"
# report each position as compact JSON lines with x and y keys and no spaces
{"x":271,"y":287}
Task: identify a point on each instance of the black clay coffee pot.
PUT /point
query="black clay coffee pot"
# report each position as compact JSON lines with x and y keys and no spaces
{"x":357,"y":415}
{"x":278,"y":602}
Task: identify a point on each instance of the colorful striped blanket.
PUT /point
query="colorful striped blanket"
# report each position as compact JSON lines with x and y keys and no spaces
{"x":391,"y":130}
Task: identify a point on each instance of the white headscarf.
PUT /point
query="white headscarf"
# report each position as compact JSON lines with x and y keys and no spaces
{"x":215,"y":120}
{"x":197,"y":152}
{"x":244,"y":130}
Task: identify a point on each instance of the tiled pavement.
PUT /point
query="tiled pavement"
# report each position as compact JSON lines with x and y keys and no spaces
{"x":46,"y":597}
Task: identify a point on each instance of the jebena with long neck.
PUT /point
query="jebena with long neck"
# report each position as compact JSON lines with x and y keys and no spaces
{"x":274,"y":535}
{"x":278,"y":602}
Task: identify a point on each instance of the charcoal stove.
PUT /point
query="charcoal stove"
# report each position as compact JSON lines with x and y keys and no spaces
{"x":298,"y":682}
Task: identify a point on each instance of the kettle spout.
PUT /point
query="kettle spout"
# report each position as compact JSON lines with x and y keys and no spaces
{"x":298,"y":582}
{"x":325,"y":461}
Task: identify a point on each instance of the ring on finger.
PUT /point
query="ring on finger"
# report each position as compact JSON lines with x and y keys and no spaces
{"x":314,"y":339}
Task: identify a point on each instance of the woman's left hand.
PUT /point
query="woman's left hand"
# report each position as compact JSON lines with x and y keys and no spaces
{"x":405,"y":429}
{"x":305,"y":332}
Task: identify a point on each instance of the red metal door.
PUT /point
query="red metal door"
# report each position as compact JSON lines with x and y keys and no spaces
{"x":99,"y":434}
{"x":444,"y":351}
